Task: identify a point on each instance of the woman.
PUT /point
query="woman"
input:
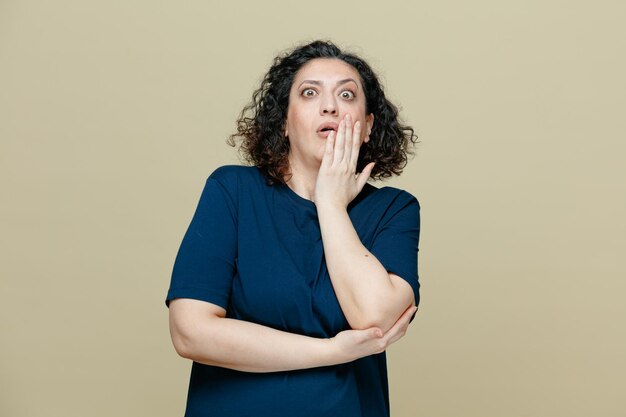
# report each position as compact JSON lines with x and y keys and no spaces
{"x":295,"y":274}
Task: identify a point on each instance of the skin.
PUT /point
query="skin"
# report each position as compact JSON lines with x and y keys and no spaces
{"x":201,"y":332}
{"x":321,"y":93}
{"x":324,"y":170}
{"x":377,"y":304}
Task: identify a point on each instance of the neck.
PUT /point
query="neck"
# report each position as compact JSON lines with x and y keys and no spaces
{"x":303,"y":179}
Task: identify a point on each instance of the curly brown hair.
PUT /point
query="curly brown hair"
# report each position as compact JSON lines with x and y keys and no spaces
{"x":261,"y":123}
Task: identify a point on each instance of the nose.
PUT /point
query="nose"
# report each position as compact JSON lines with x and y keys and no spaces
{"x":328,"y":106}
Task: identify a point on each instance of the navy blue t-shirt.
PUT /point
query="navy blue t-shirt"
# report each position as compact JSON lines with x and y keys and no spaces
{"x":256,"y":250}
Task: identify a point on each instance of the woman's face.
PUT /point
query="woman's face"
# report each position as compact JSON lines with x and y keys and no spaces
{"x":324,"y":90}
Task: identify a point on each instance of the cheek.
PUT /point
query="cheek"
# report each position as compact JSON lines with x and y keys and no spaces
{"x":293,"y":127}
{"x":292,"y":123}
{"x":361,"y":118}
{"x":296,"y":117}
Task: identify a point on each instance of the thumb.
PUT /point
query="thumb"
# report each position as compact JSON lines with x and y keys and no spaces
{"x":375,"y":333}
{"x":364,"y":175}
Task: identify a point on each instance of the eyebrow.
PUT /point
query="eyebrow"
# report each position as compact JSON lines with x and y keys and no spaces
{"x":340,"y":82}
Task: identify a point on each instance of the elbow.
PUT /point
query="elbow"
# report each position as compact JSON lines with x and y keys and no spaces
{"x":182,"y":343}
{"x":371,"y":319}
{"x":190,"y":323}
{"x":183,"y":337}
{"x":383,"y":317}
{"x":382,"y":321}
{"x":383,"y":308}
{"x":390,"y":308}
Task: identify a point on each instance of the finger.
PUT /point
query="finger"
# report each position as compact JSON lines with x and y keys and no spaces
{"x":356,"y":145}
{"x":339,"y":141}
{"x":347,"y":155}
{"x":403,"y":319}
{"x":364,"y":336}
{"x":410,"y":312}
{"x":364,"y":176}
{"x":375,"y":333}
{"x":408,"y":315}
{"x":397,"y":335}
{"x":398,"y":330}
{"x":327,"y":159}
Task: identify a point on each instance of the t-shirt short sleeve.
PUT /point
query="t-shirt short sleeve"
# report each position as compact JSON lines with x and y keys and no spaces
{"x":396,"y":242}
{"x":205,"y":263}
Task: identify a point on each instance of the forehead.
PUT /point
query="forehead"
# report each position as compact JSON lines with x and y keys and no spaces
{"x":327,"y":70}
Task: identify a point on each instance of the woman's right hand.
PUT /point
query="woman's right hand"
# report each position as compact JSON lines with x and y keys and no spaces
{"x":354,"y":344}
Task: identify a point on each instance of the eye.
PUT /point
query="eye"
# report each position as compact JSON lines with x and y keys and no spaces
{"x":347,"y":94}
{"x":308,"y":92}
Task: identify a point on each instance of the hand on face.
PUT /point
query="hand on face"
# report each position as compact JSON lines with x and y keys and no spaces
{"x":337,"y":183}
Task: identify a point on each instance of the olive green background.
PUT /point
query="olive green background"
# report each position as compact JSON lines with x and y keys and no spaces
{"x":113,"y":113}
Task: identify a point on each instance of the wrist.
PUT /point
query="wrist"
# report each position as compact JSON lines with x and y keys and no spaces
{"x":328,"y":205}
{"x":330,"y":353}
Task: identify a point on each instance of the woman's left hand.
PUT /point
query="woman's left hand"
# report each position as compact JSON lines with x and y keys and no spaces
{"x":337,"y":183}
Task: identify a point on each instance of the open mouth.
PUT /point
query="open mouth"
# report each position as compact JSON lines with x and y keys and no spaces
{"x":325,"y":128}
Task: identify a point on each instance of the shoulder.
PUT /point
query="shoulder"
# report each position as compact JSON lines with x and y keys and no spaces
{"x":390,"y":196}
{"x":229,"y":173}
{"x":384,"y":205}
{"x":232,"y":177}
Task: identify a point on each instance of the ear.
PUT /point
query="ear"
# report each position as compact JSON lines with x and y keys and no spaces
{"x":369,"y":122}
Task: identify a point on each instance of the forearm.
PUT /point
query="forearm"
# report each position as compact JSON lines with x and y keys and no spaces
{"x":364,"y":289}
{"x":251,"y":347}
